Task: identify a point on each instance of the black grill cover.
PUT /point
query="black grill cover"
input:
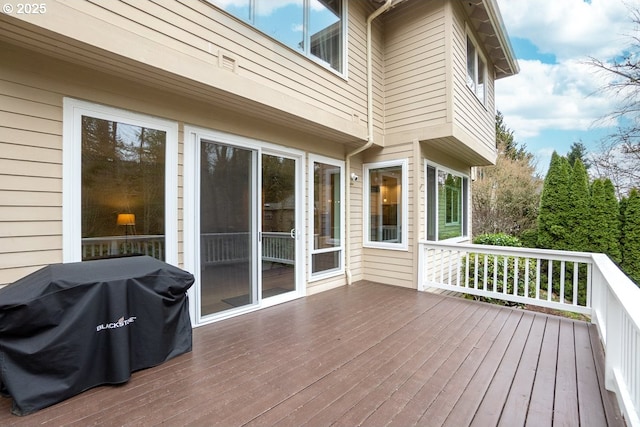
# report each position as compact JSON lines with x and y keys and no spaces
{"x":69,"y":327}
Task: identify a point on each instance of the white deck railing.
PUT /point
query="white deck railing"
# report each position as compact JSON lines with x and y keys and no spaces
{"x":579,"y":282}
{"x":227,"y":248}
{"x":112,"y":246}
{"x":216,"y":248}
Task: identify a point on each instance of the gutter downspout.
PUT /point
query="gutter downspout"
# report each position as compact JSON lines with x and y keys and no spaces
{"x":386,"y":6}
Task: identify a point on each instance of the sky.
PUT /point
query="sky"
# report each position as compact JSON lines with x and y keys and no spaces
{"x":556,"y":99}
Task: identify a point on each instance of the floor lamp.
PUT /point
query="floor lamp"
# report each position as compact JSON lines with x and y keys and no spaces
{"x":126,"y":219}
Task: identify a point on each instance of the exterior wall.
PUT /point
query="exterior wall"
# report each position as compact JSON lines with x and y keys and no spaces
{"x":425,"y":80}
{"x":415,"y":71}
{"x":191,"y":63}
{"x":393,"y":266}
{"x":195,"y":47}
{"x":31,"y":148}
{"x":476,"y":122}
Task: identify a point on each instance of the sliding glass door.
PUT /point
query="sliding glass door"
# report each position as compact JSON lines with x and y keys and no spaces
{"x":227,"y":227}
{"x":242,"y":224}
{"x":278,"y":225}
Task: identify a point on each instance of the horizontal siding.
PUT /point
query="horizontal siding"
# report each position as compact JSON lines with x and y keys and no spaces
{"x":395,"y":266}
{"x":415,"y":66}
{"x":477,"y":120}
{"x":30,"y":179}
{"x":186,"y":38}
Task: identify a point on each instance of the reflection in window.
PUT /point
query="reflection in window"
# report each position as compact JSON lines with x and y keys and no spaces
{"x":281,"y":20}
{"x":123,"y":189}
{"x":325,"y":29}
{"x":313,"y":27}
{"x":476,"y":71}
{"x":386,"y":204}
{"x":446,"y":207}
{"x":326,"y":254}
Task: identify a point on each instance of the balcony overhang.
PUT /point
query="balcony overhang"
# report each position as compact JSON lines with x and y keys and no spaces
{"x":128,"y":56}
{"x":484,"y":17}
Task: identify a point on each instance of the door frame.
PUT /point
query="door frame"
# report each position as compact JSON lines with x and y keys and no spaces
{"x":193,"y":136}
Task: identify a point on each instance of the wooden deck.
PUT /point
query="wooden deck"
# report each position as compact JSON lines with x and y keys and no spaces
{"x":367,"y":354}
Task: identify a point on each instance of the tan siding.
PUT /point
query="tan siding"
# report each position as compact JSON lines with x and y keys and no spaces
{"x":30,"y":179}
{"x":395,"y":266}
{"x":475,"y":119}
{"x":186,"y":38}
{"x":415,"y":66}
{"x":30,"y":160}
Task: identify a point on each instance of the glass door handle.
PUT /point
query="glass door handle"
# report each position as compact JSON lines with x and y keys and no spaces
{"x":292,"y":233}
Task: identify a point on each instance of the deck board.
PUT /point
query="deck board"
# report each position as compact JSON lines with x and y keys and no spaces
{"x":368,"y":354}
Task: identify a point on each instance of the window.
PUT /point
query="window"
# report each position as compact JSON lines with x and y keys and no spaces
{"x":385,"y":201}
{"x":119,"y":197}
{"x":446,"y":200}
{"x":476,"y":71}
{"x":326,"y":196}
{"x":315,"y":28}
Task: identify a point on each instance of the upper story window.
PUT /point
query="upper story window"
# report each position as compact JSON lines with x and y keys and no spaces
{"x":315,"y":28}
{"x":476,"y":71}
{"x":386,"y":204}
{"x":446,"y":204}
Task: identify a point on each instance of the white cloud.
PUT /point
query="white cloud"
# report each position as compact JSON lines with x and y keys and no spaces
{"x":570,"y":28}
{"x":563,"y":96}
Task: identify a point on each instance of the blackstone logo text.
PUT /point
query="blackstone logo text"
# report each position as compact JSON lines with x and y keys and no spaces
{"x":119,"y":324}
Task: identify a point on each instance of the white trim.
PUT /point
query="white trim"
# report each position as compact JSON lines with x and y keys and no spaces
{"x":73,"y":110}
{"x":193,"y":136}
{"x":485,"y":71}
{"x":306,"y":38}
{"x":465,"y":214}
{"x":404,"y":203}
{"x":313,"y":158}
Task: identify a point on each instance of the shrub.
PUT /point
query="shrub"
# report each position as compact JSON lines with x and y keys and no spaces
{"x":498,"y":239}
{"x":494,"y":267}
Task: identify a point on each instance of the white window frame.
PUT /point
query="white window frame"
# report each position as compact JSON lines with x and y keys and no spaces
{"x":403,"y":245}
{"x":313,"y":158}
{"x":473,"y":81}
{"x":464,"y":207}
{"x":307,"y":37}
{"x":73,"y":110}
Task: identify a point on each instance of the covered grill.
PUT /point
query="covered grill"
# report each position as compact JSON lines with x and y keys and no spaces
{"x":69,"y":327}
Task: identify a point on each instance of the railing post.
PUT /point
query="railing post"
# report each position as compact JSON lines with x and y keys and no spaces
{"x":421,"y":266}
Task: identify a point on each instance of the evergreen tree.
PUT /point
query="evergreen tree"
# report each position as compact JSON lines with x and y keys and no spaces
{"x":578,"y":217}
{"x":630,"y":240}
{"x":612,"y":210}
{"x":553,"y":231}
{"x":604,"y":224}
{"x":578,"y":151}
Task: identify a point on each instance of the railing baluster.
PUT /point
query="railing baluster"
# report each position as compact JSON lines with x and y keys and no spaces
{"x":550,"y":281}
{"x":576,"y":283}
{"x":475,"y":271}
{"x":451,"y":255}
{"x":484,"y":278}
{"x":515,"y":276}
{"x":538,"y":276}
{"x":505,"y":276}
{"x":562,"y":273}
{"x":526,"y":277}
{"x":495,"y":273}
{"x":441,"y":267}
{"x":466,"y":272}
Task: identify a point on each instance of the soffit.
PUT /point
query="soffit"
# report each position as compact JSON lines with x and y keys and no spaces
{"x":484,"y":16}
{"x":73,"y":51}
